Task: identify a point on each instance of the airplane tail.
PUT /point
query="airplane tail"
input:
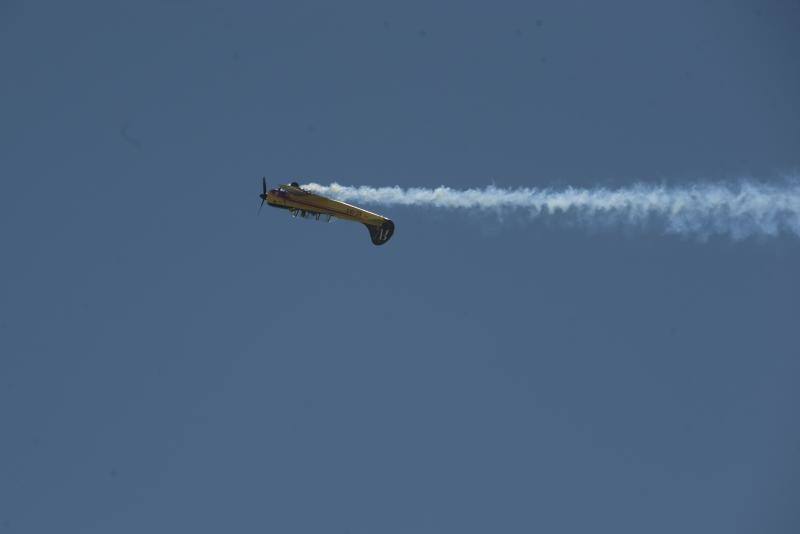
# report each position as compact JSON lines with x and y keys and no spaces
{"x":380,"y":234}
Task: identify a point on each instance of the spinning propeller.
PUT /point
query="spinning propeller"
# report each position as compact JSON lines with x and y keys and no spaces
{"x":263,"y":195}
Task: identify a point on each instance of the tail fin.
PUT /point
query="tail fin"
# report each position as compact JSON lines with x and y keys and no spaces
{"x":381,"y":234}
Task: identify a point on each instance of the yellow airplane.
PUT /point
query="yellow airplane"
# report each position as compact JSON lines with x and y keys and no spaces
{"x":310,"y":205}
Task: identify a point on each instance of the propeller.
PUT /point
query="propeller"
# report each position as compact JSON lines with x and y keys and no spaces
{"x":263,"y":195}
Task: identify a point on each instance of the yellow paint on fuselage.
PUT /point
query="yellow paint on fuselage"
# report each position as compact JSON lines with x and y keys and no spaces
{"x":294,"y":198}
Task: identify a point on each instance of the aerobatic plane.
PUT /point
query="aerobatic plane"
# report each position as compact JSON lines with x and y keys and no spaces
{"x":310,"y":205}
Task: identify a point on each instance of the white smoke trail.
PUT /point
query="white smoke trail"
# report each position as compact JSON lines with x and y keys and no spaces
{"x":740,"y":210}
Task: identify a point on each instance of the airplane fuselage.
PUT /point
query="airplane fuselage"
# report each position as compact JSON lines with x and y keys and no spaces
{"x":305,"y":201}
{"x":298,"y":200}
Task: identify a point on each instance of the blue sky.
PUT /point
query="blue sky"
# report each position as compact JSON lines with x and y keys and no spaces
{"x":173,"y":362}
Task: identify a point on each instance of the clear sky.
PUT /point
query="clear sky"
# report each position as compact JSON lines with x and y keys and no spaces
{"x":171,"y":362}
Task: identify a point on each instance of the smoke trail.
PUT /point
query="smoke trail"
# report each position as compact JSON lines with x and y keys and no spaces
{"x":740,"y":210}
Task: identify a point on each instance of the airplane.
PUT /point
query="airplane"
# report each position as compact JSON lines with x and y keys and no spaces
{"x":310,"y":205}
